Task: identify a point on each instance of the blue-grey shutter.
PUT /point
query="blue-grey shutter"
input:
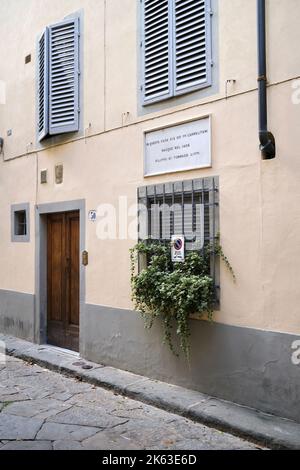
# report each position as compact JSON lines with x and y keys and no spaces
{"x":64,"y":77}
{"x":43,"y":84}
{"x":156,"y":50}
{"x":192,"y":45}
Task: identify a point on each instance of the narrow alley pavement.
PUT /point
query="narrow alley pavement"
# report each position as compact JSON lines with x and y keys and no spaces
{"x":41,"y":409}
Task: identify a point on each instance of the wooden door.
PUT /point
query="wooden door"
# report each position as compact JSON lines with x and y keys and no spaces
{"x":63,"y":279}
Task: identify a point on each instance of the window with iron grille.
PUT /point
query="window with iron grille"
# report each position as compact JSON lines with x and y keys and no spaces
{"x":189,"y":208}
{"x":176,"y":47}
{"x":58,"y":79}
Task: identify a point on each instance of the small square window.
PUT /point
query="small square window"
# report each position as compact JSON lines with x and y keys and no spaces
{"x":20,"y":225}
{"x":20,"y":222}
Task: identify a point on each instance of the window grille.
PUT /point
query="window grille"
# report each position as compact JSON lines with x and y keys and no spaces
{"x":189,"y":208}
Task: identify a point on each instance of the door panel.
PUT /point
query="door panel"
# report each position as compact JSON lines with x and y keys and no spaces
{"x":63,"y":279}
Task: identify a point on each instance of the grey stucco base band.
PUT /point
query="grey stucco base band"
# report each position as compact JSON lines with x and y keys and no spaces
{"x":247,"y":366}
{"x":17,"y":314}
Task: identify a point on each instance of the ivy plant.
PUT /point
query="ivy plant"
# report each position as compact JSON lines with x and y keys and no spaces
{"x":173,"y":291}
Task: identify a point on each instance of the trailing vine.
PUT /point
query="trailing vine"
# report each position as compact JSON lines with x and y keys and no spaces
{"x":173,"y":291}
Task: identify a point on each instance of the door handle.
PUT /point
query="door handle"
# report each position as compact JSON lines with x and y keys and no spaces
{"x":85,"y":258}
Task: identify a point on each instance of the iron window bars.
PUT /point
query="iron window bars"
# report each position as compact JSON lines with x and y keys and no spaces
{"x":189,"y":208}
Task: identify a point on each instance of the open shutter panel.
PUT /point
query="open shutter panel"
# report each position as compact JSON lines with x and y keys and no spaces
{"x":64,"y":77}
{"x":156,"y":50}
{"x":43,"y":90}
{"x":192,"y":44}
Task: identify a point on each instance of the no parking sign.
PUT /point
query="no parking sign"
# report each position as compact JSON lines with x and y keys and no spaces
{"x":177,"y":248}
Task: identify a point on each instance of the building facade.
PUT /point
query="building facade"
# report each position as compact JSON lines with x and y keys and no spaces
{"x":91,"y":91}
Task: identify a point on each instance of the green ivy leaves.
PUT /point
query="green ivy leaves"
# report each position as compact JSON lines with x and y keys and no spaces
{"x":172,"y":291}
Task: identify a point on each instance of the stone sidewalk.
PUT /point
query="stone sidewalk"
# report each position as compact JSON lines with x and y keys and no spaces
{"x":42,"y":410}
{"x":267,"y":430}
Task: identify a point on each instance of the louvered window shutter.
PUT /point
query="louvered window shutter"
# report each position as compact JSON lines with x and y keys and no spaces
{"x":64,"y":77}
{"x":192,"y":48}
{"x":157,"y":80}
{"x":43,"y":90}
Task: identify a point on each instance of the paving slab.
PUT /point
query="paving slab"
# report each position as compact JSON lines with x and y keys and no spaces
{"x":112,"y":440}
{"x":251,"y":423}
{"x":86,"y":417}
{"x":27,"y":445}
{"x":67,"y":445}
{"x":112,"y":378}
{"x":41,"y":408}
{"x":63,"y":432}
{"x":171,"y":397}
{"x":18,"y":427}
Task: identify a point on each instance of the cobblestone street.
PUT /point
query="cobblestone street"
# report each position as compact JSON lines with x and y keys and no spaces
{"x":41,"y":409}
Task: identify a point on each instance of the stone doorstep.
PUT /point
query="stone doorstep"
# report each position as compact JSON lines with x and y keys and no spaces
{"x":262,"y":428}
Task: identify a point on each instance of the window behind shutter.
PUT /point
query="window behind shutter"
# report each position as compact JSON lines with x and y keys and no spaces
{"x":64,"y":77}
{"x":43,"y":90}
{"x":192,"y":61}
{"x":156,"y":50}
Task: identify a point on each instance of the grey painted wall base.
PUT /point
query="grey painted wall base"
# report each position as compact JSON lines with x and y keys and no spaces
{"x":17,"y":314}
{"x":250,"y":367}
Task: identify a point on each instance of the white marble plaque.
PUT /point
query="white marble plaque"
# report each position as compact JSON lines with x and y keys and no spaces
{"x":183,"y":147}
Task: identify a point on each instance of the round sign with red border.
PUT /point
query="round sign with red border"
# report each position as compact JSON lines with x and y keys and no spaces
{"x":178,"y":244}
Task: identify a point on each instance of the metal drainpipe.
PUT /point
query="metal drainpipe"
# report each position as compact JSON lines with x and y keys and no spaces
{"x":266,"y":138}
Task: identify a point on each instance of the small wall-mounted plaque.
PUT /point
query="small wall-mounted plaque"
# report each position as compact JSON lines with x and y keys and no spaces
{"x":92,"y":215}
{"x":28,"y":59}
{"x":178,"y":148}
{"x":59,"y":174}
{"x":43,"y":176}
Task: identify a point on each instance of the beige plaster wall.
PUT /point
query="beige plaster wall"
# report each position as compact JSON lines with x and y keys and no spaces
{"x":259,"y":200}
